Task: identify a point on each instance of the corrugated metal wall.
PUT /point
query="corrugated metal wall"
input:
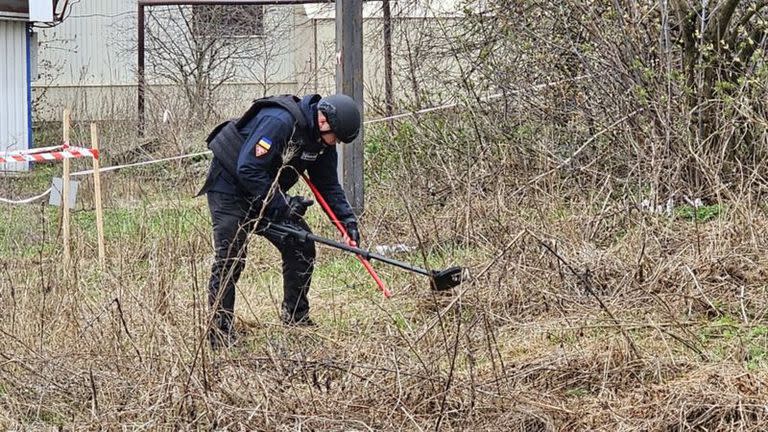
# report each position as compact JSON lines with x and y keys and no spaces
{"x":95,"y":45}
{"x":14,"y":123}
{"x":88,"y":62}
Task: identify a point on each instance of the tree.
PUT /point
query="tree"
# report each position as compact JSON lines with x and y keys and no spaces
{"x":720,"y":45}
{"x":200,"y":49}
{"x":687,"y":75}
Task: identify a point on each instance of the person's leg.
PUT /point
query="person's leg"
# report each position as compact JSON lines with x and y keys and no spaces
{"x":298,"y":265}
{"x":230,"y":233}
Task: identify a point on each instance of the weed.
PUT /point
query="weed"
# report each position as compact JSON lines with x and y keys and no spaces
{"x":704,"y":213}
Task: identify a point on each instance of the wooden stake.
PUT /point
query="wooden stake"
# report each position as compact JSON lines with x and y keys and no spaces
{"x":97,"y":195}
{"x":65,"y":198}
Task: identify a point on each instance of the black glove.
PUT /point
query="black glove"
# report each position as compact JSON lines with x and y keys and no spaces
{"x":354,"y":233}
{"x":297,"y":206}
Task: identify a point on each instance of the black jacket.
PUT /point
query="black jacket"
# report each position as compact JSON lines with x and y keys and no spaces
{"x":274,"y":150}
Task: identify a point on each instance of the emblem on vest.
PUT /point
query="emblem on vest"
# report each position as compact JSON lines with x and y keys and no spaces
{"x":309,"y":156}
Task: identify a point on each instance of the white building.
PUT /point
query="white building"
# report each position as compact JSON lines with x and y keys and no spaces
{"x":89,"y":62}
{"x":17,"y":70}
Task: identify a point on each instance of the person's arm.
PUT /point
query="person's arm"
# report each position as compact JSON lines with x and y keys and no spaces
{"x":262,"y":150}
{"x":323,"y":174}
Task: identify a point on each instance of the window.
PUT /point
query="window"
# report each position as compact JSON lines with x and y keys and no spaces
{"x":14,"y":8}
{"x":229,"y":21}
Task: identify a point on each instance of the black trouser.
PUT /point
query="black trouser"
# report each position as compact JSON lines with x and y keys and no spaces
{"x":233,"y":219}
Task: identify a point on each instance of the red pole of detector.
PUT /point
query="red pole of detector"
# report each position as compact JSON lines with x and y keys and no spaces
{"x":343,"y":231}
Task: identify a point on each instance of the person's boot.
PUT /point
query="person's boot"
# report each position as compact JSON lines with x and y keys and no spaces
{"x":222,"y":334}
{"x":303,"y":322}
{"x":217,"y":339}
{"x":223,"y":340}
{"x":297,"y":320}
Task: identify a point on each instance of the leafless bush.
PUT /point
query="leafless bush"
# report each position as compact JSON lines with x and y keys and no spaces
{"x":199,"y":49}
{"x":663,"y":107}
{"x":585,"y":309}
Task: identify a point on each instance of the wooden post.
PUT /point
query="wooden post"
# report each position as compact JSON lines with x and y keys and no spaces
{"x":97,"y":195}
{"x":65,"y":198}
{"x":349,"y":80}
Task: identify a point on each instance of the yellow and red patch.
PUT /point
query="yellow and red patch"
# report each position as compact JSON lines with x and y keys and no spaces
{"x":263,"y":146}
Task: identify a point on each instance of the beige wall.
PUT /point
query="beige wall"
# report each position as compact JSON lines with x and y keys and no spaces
{"x":95,"y":74}
{"x":88,"y":63}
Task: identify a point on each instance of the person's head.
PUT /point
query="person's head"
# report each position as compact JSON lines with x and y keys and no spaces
{"x":338,"y":119}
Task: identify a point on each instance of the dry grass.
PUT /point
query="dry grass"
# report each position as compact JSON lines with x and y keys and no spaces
{"x":584,"y":312}
{"x":679,"y":343}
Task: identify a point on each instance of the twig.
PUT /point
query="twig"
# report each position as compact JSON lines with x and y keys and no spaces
{"x":696,"y":282}
{"x":579,"y":150}
{"x":588,"y":286}
{"x":94,"y":396}
{"x":449,"y":381}
{"x":116,"y":301}
{"x":741,"y":304}
{"x":463,"y":291}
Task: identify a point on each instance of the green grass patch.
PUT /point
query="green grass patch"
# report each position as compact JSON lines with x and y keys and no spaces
{"x":29,"y":230}
{"x":52,"y":418}
{"x":576,"y":392}
{"x":700,"y":214}
{"x":727,"y":337}
{"x":401,"y":322}
{"x":177,"y":221}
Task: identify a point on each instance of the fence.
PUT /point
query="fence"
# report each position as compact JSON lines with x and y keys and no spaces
{"x":64,"y":152}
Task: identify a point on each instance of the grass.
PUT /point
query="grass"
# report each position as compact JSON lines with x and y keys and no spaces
{"x":704,"y":213}
{"x":523,"y":343}
{"x":120,"y":224}
{"x":729,"y":339}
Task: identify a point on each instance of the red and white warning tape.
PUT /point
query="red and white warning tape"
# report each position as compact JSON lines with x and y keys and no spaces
{"x":44,"y":154}
{"x":32,"y":150}
{"x":48,"y":154}
{"x":34,"y":155}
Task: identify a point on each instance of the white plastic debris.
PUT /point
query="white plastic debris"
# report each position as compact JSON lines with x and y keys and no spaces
{"x":393,"y":249}
{"x":668,"y":208}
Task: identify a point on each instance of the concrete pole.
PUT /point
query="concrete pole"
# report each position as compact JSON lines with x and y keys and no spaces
{"x":349,"y":80}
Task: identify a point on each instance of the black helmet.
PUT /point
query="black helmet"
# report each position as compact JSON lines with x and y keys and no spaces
{"x":342,"y":114}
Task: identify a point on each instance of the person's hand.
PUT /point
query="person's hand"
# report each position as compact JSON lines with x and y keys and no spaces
{"x":353,"y":232}
{"x":298,"y":206}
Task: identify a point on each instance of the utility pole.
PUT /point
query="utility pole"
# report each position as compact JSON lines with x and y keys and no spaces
{"x":387,"y":33}
{"x":349,"y":80}
{"x":142,"y":77}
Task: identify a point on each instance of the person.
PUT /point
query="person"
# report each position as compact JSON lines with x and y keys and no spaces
{"x":256,"y":162}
